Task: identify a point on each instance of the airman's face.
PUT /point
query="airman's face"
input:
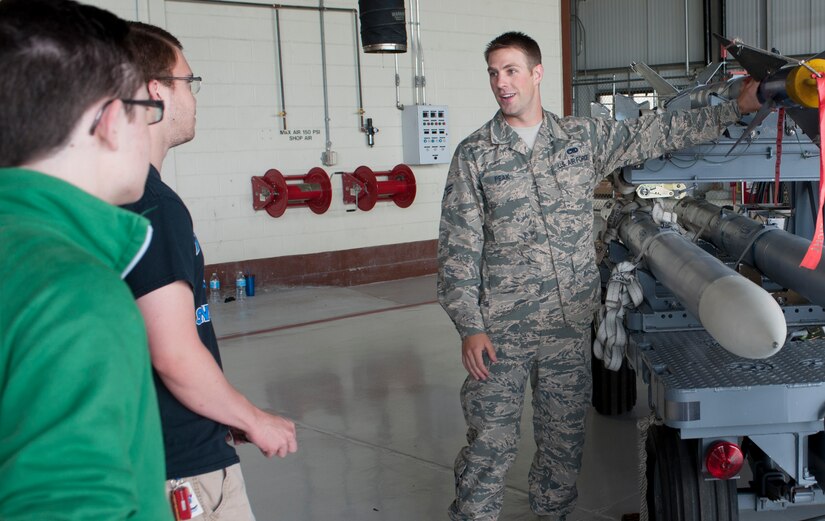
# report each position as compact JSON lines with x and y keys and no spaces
{"x":516,"y":86}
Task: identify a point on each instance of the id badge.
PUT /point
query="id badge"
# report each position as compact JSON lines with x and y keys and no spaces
{"x":186,"y":502}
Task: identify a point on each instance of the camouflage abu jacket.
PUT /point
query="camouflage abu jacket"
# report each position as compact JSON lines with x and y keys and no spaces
{"x":517,"y":224}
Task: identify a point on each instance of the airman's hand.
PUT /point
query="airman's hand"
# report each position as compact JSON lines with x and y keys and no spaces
{"x":473,"y":348}
{"x":747,"y":100}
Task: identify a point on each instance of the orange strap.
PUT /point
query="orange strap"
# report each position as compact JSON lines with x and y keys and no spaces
{"x":814,"y":253}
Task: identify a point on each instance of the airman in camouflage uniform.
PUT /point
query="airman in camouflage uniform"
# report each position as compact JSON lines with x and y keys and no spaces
{"x":517,"y":273}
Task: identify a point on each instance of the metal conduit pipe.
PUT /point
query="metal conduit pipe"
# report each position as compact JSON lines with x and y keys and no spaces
{"x":420,"y":52}
{"x":708,"y":31}
{"x":282,"y":113}
{"x":414,"y":49}
{"x":687,"y":40}
{"x":327,"y":157}
{"x":723,"y":12}
{"x":358,"y":70}
{"x":419,"y":79}
{"x":398,"y":104}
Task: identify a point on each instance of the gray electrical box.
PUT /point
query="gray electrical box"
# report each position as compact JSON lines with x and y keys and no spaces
{"x":426,"y":134}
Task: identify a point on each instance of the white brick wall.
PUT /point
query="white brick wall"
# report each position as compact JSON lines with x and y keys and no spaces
{"x":238,"y":136}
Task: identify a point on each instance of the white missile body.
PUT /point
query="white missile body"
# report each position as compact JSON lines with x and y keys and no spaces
{"x":741,"y":316}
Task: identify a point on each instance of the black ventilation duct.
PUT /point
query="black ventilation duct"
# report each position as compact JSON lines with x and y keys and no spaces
{"x":383,"y":26}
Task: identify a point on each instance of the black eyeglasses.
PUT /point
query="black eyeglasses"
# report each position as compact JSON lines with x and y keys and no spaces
{"x":154,"y":114}
{"x":194,"y":81}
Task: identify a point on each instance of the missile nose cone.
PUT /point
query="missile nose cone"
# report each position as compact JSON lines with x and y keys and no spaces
{"x":742,"y":317}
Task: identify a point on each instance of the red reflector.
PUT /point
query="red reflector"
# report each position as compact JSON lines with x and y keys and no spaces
{"x":724,"y":460}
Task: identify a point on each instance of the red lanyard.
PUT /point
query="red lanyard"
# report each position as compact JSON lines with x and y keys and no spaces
{"x":814,"y":253}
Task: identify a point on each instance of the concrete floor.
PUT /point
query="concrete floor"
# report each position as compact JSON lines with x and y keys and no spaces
{"x":371,"y":376}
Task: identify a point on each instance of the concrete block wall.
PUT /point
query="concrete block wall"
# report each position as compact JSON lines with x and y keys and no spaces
{"x":239,"y":129}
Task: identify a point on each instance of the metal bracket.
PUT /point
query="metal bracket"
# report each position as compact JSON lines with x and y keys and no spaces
{"x":654,"y":191}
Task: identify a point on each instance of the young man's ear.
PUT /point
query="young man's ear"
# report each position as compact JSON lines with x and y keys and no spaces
{"x":154,"y":89}
{"x":109,"y":126}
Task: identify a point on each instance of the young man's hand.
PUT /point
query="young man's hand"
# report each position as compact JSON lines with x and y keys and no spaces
{"x":273,"y":435}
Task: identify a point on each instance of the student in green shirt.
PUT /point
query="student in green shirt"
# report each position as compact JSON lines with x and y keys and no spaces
{"x":79,"y":427}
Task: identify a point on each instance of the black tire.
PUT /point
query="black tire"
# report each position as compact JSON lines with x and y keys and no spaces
{"x":614,"y":392}
{"x":676,"y":490}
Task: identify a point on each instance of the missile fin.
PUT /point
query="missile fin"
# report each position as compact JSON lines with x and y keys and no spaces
{"x":625,"y":108}
{"x":707,"y":74}
{"x":659,"y":84}
{"x":759,"y":63}
{"x":808,"y":121}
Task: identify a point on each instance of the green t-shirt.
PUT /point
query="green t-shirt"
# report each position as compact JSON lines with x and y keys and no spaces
{"x":80,"y":434}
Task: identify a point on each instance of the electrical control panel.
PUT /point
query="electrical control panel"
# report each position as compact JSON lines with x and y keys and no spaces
{"x":426,"y":135}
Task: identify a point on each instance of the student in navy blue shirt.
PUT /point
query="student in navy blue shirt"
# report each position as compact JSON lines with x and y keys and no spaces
{"x":198,"y":405}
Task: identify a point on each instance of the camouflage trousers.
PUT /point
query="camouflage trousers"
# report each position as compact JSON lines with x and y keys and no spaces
{"x":557,"y":363}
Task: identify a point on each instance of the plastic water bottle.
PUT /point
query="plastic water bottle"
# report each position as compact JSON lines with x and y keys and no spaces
{"x":214,"y":289}
{"x":240,"y":287}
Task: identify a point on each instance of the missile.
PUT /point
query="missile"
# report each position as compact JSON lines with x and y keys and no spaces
{"x":774,"y":252}
{"x":741,"y":316}
{"x":784,"y":82}
{"x":702,"y":94}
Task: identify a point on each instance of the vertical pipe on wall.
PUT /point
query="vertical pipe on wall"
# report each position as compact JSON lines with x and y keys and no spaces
{"x":414,"y":49}
{"x":723,"y":29}
{"x":398,"y":104}
{"x":566,"y":59}
{"x":574,"y":55}
{"x":419,"y":79}
{"x":328,"y":153}
{"x":420,"y":51}
{"x":811,"y":44}
{"x":759,"y":42}
{"x":282,"y":112}
{"x":706,"y":22}
{"x":358,"y":70}
{"x":687,"y":40}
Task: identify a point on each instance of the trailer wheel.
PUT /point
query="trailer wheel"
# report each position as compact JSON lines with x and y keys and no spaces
{"x":614,"y":392}
{"x":676,"y":490}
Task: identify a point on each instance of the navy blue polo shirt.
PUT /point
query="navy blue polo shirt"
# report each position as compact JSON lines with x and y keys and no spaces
{"x":194,"y":444}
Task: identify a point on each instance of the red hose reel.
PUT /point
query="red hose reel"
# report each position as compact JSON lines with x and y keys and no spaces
{"x":364,"y":188}
{"x":275,"y":192}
